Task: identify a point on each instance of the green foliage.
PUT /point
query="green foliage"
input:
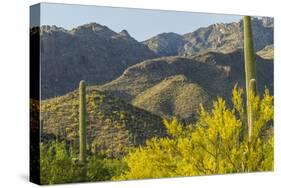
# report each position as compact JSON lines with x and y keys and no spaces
{"x":60,"y":165}
{"x":57,"y":166}
{"x":216,"y":144}
{"x":104,"y":169}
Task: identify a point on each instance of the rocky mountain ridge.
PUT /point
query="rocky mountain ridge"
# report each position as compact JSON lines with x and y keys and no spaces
{"x":219,"y":37}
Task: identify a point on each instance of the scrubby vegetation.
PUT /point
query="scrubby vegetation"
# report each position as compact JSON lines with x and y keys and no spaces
{"x":59,"y":164}
{"x":217,"y":143}
{"x":112,"y":124}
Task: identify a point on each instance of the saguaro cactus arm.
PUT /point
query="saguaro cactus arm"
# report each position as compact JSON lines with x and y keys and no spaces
{"x":82,"y":121}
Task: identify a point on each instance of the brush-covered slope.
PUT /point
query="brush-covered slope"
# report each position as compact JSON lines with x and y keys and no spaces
{"x":113,"y":125}
{"x":91,"y":52}
{"x":175,"y":86}
{"x":175,"y":96}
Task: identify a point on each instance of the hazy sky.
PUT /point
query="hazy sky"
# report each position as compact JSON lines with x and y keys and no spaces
{"x":140,"y":23}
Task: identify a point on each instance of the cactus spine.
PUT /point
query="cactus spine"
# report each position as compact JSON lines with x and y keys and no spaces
{"x":82,"y":121}
{"x":250,"y":70}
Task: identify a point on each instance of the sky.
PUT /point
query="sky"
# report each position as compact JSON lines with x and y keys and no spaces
{"x":141,"y":24}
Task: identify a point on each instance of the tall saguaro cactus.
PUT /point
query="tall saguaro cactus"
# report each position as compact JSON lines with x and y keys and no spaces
{"x":250,"y":70}
{"x":82,"y":121}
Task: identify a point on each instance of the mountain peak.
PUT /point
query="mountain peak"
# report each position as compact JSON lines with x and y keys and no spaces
{"x":51,"y":28}
{"x":267,"y":21}
{"x":165,"y":44}
{"x":169,"y":34}
{"x":124,"y":33}
{"x":93,"y":28}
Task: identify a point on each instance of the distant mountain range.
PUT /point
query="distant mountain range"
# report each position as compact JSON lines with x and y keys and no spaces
{"x":99,"y":55}
{"x":223,"y":38}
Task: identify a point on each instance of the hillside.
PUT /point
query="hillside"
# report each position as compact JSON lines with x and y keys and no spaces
{"x":113,"y":125}
{"x":91,"y":52}
{"x":175,"y":86}
{"x":267,"y":52}
{"x":220,"y":37}
{"x":175,"y":96}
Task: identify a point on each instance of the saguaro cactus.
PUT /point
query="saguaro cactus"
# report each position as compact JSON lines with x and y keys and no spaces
{"x":251,"y":115}
{"x":250,"y":70}
{"x":82,"y":121}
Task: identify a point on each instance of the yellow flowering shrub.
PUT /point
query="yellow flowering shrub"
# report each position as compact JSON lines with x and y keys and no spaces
{"x":216,"y":144}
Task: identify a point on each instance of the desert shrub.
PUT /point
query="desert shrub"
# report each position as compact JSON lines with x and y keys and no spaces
{"x":104,"y":169}
{"x":217,"y":143}
{"x":59,"y":164}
